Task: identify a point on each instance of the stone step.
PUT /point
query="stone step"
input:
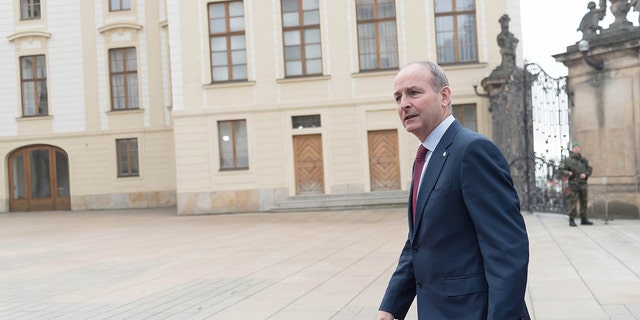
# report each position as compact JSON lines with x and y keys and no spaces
{"x":351,"y":201}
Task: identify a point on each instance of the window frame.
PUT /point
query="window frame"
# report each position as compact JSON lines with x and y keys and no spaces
{"x":35,"y":80}
{"x":458,"y":112}
{"x":306,"y":121}
{"x":301,"y":28}
{"x":234,"y":142}
{"x":121,"y":6}
{"x":376,"y":20}
{"x":455,"y":14}
{"x":129,"y":163}
{"x":32,"y":14}
{"x":228,"y":35}
{"x":124,"y":73}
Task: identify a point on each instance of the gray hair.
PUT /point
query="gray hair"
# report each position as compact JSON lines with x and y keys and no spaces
{"x":439,"y":79}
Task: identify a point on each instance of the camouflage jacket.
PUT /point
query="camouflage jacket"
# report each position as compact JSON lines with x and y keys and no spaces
{"x":577,"y":164}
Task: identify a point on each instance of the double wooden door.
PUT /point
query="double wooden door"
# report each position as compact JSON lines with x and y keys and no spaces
{"x":39,"y":179}
{"x":309,"y":167}
{"x":384,"y":164}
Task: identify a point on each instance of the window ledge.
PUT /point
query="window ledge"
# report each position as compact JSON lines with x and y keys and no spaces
{"x":231,"y":84}
{"x":129,"y":177}
{"x":35,"y":118}
{"x":125,"y":111}
{"x":238,"y":169}
{"x":377,"y":73}
{"x":304,"y":79}
{"x":459,"y":66}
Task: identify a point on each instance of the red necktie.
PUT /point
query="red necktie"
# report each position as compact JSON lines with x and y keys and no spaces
{"x":417,"y":173}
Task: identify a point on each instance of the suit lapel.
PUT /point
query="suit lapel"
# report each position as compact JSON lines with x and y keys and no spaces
{"x":433,"y":170}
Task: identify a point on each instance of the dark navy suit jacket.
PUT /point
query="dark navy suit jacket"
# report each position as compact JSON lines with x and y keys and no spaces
{"x":467,"y":254}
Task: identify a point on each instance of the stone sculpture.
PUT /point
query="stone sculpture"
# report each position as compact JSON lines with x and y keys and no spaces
{"x":589,"y":23}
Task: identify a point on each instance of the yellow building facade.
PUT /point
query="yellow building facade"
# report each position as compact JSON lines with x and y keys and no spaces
{"x":85,"y":111}
{"x":223,"y":106}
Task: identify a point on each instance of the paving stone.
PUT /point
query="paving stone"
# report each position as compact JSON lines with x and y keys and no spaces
{"x":153,"y":264}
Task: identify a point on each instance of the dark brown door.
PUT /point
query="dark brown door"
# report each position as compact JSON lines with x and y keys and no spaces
{"x":384,"y":164}
{"x":307,"y":150}
{"x":39,"y":179}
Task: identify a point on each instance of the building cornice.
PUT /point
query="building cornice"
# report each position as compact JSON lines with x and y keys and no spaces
{"x":120,"y":25}
{"x":29,"y":33}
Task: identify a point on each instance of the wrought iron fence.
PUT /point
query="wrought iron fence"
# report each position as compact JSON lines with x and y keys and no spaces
{"x":551,"y":137}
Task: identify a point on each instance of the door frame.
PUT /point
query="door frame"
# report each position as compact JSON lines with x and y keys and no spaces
{"x":394,"y":157}
{"x":321,"y":189}
{"x":28,"y":203}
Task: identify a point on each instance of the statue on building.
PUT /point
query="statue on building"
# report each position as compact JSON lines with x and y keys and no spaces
{"x":508,"y":43}
{"x":589,"y":23}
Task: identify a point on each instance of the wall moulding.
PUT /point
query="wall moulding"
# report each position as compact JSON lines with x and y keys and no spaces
{"x":30,"y":40}
{"x":120,"y":25}
{"x":29,"y":35}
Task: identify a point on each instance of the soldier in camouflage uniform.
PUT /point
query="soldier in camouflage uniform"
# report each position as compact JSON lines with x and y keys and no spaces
{"x":577,"y":168}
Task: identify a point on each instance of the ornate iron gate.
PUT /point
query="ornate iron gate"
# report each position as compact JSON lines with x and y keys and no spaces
{"x":550,"y":110}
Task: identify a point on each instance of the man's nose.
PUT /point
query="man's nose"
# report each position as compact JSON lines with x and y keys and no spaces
{"x":404,"y":103}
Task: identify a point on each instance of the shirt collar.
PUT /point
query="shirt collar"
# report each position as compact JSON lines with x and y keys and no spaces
{"x":434,"y":138}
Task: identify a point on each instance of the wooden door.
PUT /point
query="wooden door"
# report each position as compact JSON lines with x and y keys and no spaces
{"x":384,"y":163}
{"x":39,"y":179}
{"x":307,"y":150}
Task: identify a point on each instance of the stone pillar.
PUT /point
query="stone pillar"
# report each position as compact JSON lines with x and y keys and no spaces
{"x":605,"y":118}
{"x":510,"y":107}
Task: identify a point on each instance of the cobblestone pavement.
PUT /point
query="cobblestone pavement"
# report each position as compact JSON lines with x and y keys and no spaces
{"x":152,"y":264}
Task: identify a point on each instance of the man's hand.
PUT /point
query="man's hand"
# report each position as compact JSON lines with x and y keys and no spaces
{"x":383,"y":315}
{"x":583,"y":176}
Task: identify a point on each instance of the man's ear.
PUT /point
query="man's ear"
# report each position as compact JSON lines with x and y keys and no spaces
{"x":445,"y":95}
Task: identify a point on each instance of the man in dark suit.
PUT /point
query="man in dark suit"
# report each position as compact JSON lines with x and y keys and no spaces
{"x":467,"y":252}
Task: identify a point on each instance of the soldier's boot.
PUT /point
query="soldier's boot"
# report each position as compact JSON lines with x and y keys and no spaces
{"x":572,"y":223}
{"x":585,"y":222}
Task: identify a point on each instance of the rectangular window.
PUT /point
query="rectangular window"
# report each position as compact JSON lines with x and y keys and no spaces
{"x":227,"y":41}
{"x":119,"y":5}
{"x":127,"y":153}
{"x":456,"y":31}
{"x":232,"y":136}
{"x":310,"y":121}
{"x":123,"y":72}
{"x":466,"y":114}
{"x":33,"y":74}
{"x":29,"y":9}
{"x":377,"y":39}
{"x":301,"y":34}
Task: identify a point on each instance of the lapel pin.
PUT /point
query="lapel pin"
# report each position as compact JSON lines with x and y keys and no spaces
{"x":444,"y":154}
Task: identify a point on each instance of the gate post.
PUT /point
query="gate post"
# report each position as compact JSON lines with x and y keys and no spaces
{"x":605,"y":113}
{"x":510,"y":107}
